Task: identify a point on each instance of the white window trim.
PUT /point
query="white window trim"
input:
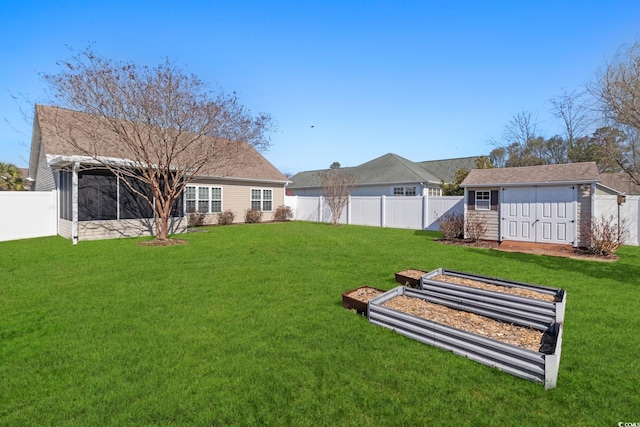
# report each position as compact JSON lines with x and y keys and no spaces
{"x":210,"y":200}
{"x":404,"y":189}
{"x":262,"y":199}
{"x":487,"y":200}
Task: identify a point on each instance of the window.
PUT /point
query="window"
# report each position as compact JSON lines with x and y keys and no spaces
{"x":216,"y":199}
{"x":190,"y":197}
{"x":203,"y":199}
{"x":404,"y":191}
{"x":483,"y":200}
{"x":434,"y":192}
{"x":262,"y":199}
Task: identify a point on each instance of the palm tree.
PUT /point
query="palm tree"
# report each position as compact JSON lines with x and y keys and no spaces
{"x":10,"y":177}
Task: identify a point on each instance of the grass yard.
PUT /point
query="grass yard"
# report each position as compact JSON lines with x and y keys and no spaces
{"x":244,"y":325}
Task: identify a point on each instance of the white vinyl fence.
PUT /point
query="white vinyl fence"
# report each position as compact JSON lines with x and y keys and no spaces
{"x":417,"y":213}
{"x":628,"y":212}
{"x":422,"y":213}
{"x":25,"y":214}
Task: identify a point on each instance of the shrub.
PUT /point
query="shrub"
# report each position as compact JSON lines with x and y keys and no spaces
{"x":252,"y":216}
{"x":283,"y":213}
{"x":605,"y":235}
{"x":452,"y":225}
{"x":226,"y":217}
{"x":195,"y":219}
{"x":475,"y":229}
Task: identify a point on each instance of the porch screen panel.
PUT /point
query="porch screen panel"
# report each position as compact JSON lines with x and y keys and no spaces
{"x":97,"y":196}
{"x":65,"y":195}
{"x":132,"y":205}
{"x":177,"y":208}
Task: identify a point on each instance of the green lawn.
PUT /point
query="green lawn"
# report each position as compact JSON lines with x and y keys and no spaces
{"x":244,"y":325}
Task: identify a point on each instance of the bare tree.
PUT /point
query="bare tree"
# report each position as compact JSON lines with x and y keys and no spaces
{"x":520,"y":129}
{"x":517,"y":144}
{"x":155,"y":128}
{"x":617,"y":90}
{"x":571,"y":108}
{"x":337,"y":186}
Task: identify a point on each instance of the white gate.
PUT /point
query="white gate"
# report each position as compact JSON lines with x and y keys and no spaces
{"x":539,"y":214}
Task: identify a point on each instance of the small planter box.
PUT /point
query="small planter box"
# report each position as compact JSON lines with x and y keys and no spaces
{"x":410,"y":277}
{"x":351,"y":303}
{"x":527,"y":311}
{"x":531,"y":365}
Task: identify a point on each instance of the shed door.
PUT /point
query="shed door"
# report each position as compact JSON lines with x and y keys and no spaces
{"x":539,"y":214}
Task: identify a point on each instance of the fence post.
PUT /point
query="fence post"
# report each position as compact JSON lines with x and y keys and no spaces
{"x":383,"y":208}
{"x":320,"y":209}
{"x":349,"y":209}
{"x":74,"y":203}
{"x":425,"y":211}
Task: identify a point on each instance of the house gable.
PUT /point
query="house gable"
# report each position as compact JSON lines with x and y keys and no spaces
{"x":386,"y":172}
{"x":620,"y":182}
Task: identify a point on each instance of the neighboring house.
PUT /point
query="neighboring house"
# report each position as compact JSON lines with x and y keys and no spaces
{"x":621,"y":182}
{"x":93,"y":204}
{"x":543,"y":204}
{"x":388,"y":175}
{"x":26,"y":180}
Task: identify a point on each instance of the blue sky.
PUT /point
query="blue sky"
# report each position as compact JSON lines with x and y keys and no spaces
{"x":425,"y":80}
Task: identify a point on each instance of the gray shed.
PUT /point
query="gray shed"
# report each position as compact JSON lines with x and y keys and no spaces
{"x":539,"y":204}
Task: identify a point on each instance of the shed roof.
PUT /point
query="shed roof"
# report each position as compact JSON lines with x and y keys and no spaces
{"x":535,"y":175}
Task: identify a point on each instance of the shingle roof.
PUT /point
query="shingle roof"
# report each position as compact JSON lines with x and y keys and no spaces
{"x":446,"y":169}
{"x":389,"y":168}
{"x":58,"y":125}
{"x":620,"y":181}
{"x":392,"y":168}
{"x":543,"y":174}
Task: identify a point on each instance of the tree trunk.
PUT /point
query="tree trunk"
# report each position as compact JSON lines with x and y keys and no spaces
{"x":164,"y":227}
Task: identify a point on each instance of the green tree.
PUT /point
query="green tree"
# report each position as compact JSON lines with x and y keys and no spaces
{"x":484,"y":162}
{"x":10,"y":179}
{"x":453,"y":188}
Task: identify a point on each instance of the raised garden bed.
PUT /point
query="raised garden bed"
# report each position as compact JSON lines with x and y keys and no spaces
{"x":358,"y":299}
{"x":524,"y":303}
{"x":410,"y":277}
{"x":484,"y":339}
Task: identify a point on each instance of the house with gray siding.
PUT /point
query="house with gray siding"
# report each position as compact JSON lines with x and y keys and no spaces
{"x":94,"y":204}
{"x":388,"y":175}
